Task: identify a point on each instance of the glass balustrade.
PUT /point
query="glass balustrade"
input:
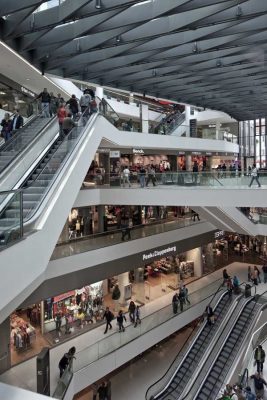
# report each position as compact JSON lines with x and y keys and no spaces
{"x":110,"y":238}
{"x":185,"y":179}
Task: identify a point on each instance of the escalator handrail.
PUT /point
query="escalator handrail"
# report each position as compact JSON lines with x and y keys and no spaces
{"x":36,"y":138}
{"x":236,"y":341}
{"x":18,"y":132}
{"x":245,"y":377}
{"x":196,"y":325}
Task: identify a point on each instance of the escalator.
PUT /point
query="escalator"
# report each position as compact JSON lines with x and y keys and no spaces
{"x":188,"y":364}
{"x":21,"y":140}
{"x":227,"y":353}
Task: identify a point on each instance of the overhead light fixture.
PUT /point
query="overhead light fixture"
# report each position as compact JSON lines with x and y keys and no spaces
{"x":98,"y":4}
{"x":2,"y":93}
{"x":239,"y":12}
{"x":195,"y":48}
{"x":154,"y":72}
{"x":118,"y":39}
{"x":218,"y":63}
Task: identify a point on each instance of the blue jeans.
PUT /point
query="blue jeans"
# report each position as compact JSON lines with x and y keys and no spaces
{"x":46,"y":110}
{"x":142,"y":180}
{"x":256,"y":179}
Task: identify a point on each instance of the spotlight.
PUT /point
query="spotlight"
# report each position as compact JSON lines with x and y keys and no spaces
{"x":118,"y":39}
{"x":98,"y":4}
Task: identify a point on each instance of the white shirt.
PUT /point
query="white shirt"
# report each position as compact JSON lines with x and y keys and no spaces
{"x":14,"y":123}
{"x":254,"y":172}
{"x":126,"y":172}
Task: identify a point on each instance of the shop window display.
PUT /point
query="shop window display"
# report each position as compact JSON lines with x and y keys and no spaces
{"x":22,"y":333}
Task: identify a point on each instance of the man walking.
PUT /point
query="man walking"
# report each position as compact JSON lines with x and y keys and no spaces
{"x":254,"y":176}
{"x":108,"y":316}
{"x":126,"y":177}
{"x":259,"y":357}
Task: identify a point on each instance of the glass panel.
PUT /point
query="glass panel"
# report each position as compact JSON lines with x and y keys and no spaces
{"x":11,"y":218}
{"x":115,"y":340}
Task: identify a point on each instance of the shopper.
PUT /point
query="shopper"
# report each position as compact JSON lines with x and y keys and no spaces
{"x":102,"y":391}
{"x":120,"y":318}
{"x":225,"y":276}
{"x":259,"y":357}
{"x":259,"y":384}
{"x":142,"y":176}
{"x":131,"y":310}
{"x":249,"y":274}
{"x":66,"y":360}
{"x":210,"y":315}
{"x":126,"y":223}
{"x":17,"y":121}
{"x":254,"y":176}
{"x":126,"y":177}
{"x":68,"y":124}
{"x":195,"y":215}
{"x":181,"y":300}
{"x":264,"y":270}
{"x":137,"y":316}
{"x":85,"y":102}
{"x":185,"y":289}
{"x":257,"y":274}
{"x":108,"y":316}
{"x":45,"y":103}
{"x":249,"y":394}
{"x":61,"y":115}
{"x":229,"y":285}
{"x":6,"y":127}
{"x":195,"y":172}
{"x":175,"y":302}
{"x":74,"y":106}
{"x":52,"y":105}
{"x":236,"y":284}
{"x":151,"y":175}
{"x":58,"y":321}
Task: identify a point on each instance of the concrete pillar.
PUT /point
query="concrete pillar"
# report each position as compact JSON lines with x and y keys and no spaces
{"x":123,"y":280}
{"x":101,"y":215}
{"x":188,"y":162}
{"x":218,"y":127}
{"x":144,"y":117}
{"x":99,"y":92}
{"x":195,"y":255}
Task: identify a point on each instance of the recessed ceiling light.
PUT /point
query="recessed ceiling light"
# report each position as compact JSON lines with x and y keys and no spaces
{"x":21,"y":101}
{"x":27,"y":79}
{"x":2,"y":93}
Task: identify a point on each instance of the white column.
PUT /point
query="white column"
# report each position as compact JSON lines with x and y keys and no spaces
{"x":144,"y":117}
{"x":123,"y":280}
{"x":99,"y":92}
{"x":218,"y":127}
{"x":188,"y":162}
{"x":195,"y":255}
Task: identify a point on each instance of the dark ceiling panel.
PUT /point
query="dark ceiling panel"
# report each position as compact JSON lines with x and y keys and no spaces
{"x":210,"y":53}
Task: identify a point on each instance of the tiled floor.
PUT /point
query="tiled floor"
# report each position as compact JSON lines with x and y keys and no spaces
{"x":24,"y":374}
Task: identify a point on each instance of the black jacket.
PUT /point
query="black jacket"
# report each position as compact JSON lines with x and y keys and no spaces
{"x":19,"y":122}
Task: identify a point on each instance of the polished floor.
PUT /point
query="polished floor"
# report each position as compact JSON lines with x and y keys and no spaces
{"x":24,"y":374}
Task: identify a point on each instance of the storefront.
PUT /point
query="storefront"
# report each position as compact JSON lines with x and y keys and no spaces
{"x":85,"y":221}
{"x":14,"y":96}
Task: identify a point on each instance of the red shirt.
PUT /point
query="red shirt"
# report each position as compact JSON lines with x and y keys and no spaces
{"x":61,"y":114}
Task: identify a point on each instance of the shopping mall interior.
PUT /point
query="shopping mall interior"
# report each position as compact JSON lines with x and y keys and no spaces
{"x":133,"y":200}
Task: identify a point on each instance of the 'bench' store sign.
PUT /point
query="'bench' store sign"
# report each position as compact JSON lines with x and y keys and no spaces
{"x":159,"y":253}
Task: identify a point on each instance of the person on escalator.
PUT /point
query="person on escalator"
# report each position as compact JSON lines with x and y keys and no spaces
{"x":68,"y":124}
{"x":17,"y":121}
{"x":61,"y":114}
{"x":210,"y":315}
{"x":225,"y":276}
{"x":6,"y":127}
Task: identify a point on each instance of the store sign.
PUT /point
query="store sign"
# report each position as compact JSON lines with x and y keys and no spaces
{"x":27,"y":91}
{"x":196,"y":153}
{"x":138,"y":151}
{"x":208,"y":154}
{"x":218,"y":234}
{"x":181,"y":153}
{"x":159,"y":253}
{"x":115,"y":154}
{"x":103,"y":151}
{"x":64,"y":296}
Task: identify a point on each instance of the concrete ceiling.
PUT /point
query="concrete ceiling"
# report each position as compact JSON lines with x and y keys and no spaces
{"x":209,"y":53}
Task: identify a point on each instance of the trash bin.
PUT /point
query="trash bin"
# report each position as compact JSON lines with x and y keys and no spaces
{"x":248,"y":290}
